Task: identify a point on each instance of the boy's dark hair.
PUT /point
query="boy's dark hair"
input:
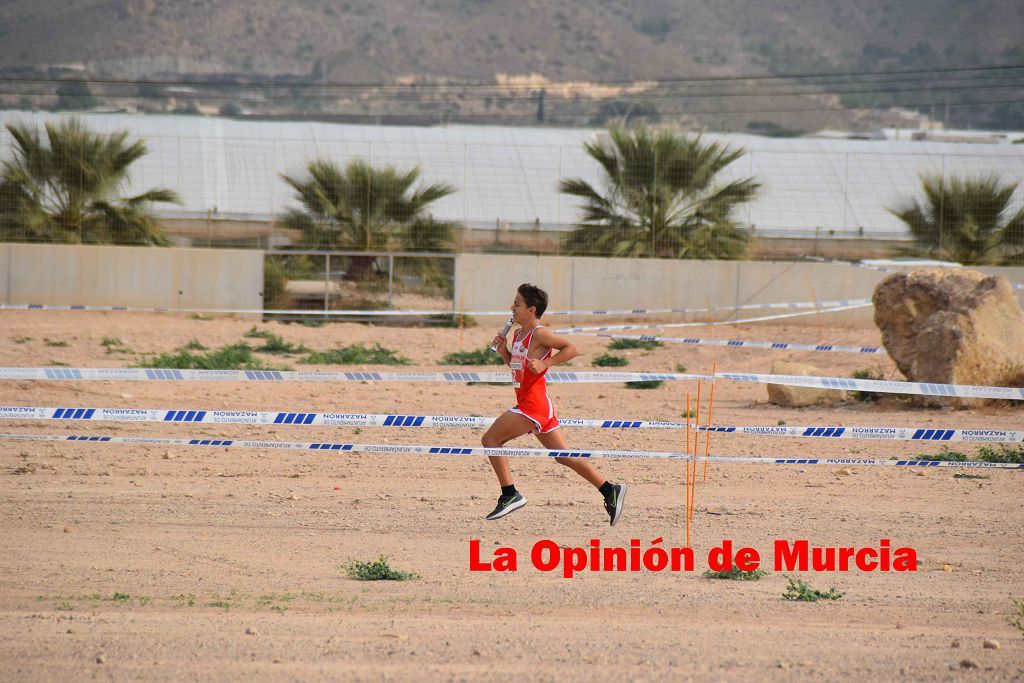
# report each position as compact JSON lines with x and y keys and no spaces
{"x":534,"y":296}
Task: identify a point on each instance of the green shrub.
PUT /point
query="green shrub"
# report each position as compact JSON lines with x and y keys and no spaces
{"x":256,"y":333}
{"x":278,"y":269}
{"x":114,"y":345}
{"x":274,"y":283}
{"x":645,"y":344}
{"x":482,"y":356}
{"x":867,"y":396}
{"x":999,"y":453}
{"x":1017,"y":618}
{"x":645,"y":384}
{"x":232,"y":357}
{"x":610,"y":360}
{"x":1014,"y":454}
{"x":799,"y":591}
{"x":355,"y":355}
{"x":275,"y":344}
{"x":378,"y":570}
{"x":735,"y":574}
{"x":944,"y":455}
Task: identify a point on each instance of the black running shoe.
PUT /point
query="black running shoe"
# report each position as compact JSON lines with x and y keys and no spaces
{"x":614,"y":502}
{"x":507,"y":504}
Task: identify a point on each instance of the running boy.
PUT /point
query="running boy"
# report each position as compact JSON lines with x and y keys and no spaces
{"x":530,"y":358}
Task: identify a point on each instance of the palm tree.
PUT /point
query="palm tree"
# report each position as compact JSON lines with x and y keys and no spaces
{"x":659,"y":199}
{"x":966,"y":219}
{"x":365,"y":208}
{"x":64,"y":187}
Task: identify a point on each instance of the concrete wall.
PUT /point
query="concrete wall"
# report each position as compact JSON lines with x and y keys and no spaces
{"x":488,"y":282}
{"x":233,"y":279}
{"x":131,"y":276}
{"x":5,"y":272}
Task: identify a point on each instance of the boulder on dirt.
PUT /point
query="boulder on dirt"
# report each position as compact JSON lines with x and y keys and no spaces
{"x":951,"y":326}
{"x":798,"y":397}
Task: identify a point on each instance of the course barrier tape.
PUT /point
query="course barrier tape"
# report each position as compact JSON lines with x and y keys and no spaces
{"x":712,"y":323}
{"x":508,"y":452}
{"x":739,"y":343}
{"x":840,"y":383}
{"x":881,"y":386}
{"x":382,"y":313}
{"x":880,"y":433}
{"x":891,"y":269}
{"x":253,"y":417}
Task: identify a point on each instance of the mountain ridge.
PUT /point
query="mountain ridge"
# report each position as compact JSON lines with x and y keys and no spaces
{"x":351,"y":41}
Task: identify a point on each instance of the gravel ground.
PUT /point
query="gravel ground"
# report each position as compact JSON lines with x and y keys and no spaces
{"x":142,"y":562}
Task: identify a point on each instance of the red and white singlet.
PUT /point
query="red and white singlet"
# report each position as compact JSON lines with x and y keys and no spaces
{"x":532,"y":399}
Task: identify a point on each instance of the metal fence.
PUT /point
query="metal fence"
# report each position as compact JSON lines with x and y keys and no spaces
{"x":373,"y":282}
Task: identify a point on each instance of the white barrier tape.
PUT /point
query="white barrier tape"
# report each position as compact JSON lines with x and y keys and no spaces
{"x":838,"y":305}
{"x":738,"y":343}
{"x":252,"y":417}
{"x":882,"y":386}
{"x":841,"y":383}
{"x":781,"y":316}
{"x":160,"y":374}
{"x":508,"y":452}
{"x":380,"y":312}
{"x":880,"y":433}
{"x":883,"y":269}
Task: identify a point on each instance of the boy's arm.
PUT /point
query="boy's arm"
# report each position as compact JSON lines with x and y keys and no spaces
{"x":564,"y":350}
{"x":501,"y":343}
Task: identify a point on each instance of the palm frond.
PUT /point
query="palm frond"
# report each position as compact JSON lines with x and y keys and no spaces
{"x":660,"y":191}
{"x":360,"y":206}
{"x":68,"y":180}
{"x":965,"y":218}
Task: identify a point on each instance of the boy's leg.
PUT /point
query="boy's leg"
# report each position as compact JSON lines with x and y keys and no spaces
{"x":614,"y":494}
{"x":508,"y":426}
{"x":555,"y":441}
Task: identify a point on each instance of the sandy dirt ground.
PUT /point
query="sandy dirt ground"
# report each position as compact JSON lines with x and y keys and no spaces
{"x":142,"y":562}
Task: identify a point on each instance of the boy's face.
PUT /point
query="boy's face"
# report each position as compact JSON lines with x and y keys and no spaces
{"x":522,"y":313}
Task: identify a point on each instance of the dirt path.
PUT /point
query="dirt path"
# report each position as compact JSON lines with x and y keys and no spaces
{"x":199,"y":564}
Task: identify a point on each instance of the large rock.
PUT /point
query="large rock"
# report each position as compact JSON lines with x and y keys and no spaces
{"x":798,"y":397}
{"x":953,"y":326}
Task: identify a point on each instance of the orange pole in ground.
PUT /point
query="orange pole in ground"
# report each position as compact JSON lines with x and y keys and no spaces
{"x":696,"y":441}
{"x":687,"y":463}
{"x":707,"y":435}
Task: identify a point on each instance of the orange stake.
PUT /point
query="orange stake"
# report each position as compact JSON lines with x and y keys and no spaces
{"x":696,"y":441}
{"x":687,"y":463}
{"x":707,"y":435}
